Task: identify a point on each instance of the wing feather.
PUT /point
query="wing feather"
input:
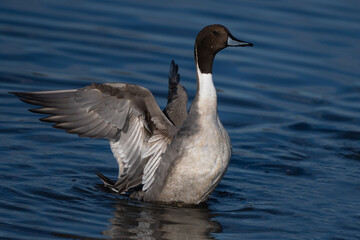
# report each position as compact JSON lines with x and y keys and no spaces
{"x":176,"y":108}
{"x":155,"y":153}
{"x":126,"y":114}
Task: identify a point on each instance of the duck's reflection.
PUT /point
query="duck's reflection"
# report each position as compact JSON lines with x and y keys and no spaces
{"x":153,"y":221}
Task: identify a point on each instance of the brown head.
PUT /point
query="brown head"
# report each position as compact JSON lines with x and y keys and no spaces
{"x":210,"y":40}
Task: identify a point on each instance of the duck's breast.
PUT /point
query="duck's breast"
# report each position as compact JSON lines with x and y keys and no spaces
{"x":202,"y":159}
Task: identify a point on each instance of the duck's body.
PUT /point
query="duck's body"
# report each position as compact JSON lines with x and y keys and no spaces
{"x":196,"y":158}
{"x":176,"y":156}
{"x":192,"y":171}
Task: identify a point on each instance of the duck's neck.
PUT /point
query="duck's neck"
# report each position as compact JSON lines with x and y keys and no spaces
{"x":205,"y":99}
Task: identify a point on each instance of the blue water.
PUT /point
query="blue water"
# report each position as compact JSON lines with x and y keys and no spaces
{"x":291,"y":105}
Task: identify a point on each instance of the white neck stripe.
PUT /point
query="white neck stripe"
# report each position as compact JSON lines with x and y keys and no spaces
{"x":206,"y":91}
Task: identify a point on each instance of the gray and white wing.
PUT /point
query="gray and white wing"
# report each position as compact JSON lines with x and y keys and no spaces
{"x":126,"y":114}
{"x":176,"y":109}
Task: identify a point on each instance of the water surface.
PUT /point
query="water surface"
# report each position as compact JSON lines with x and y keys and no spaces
{"x":291,"y":105}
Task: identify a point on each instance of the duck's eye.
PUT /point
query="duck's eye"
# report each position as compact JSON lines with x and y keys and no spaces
{"x":215,"y":32}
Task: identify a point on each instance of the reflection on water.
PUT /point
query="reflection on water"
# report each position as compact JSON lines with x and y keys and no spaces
{"x":138,"y":220}
{"x":148,"y":221}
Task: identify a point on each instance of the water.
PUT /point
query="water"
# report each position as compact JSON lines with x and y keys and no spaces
{"x":291,"y":105}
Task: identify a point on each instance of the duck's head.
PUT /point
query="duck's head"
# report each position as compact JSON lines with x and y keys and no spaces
{"x":210,"y":40}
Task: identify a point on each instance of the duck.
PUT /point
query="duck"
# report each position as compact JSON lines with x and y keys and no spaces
{"x":171,"y":156}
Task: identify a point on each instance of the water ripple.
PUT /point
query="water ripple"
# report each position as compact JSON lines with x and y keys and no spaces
{"x":290,"y":104}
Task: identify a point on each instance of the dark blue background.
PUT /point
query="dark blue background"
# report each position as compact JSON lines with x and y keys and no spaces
{"x":291,"y":105}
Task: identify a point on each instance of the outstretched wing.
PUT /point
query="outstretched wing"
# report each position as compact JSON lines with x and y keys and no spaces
{"x":126,"y":114}
{"x":176,"y":109}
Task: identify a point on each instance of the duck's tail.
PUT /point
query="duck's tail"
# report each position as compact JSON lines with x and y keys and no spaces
{"x":108,"y":183}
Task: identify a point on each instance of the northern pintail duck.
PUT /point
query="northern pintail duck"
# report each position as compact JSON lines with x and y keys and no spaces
{"x":173,"y":155}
